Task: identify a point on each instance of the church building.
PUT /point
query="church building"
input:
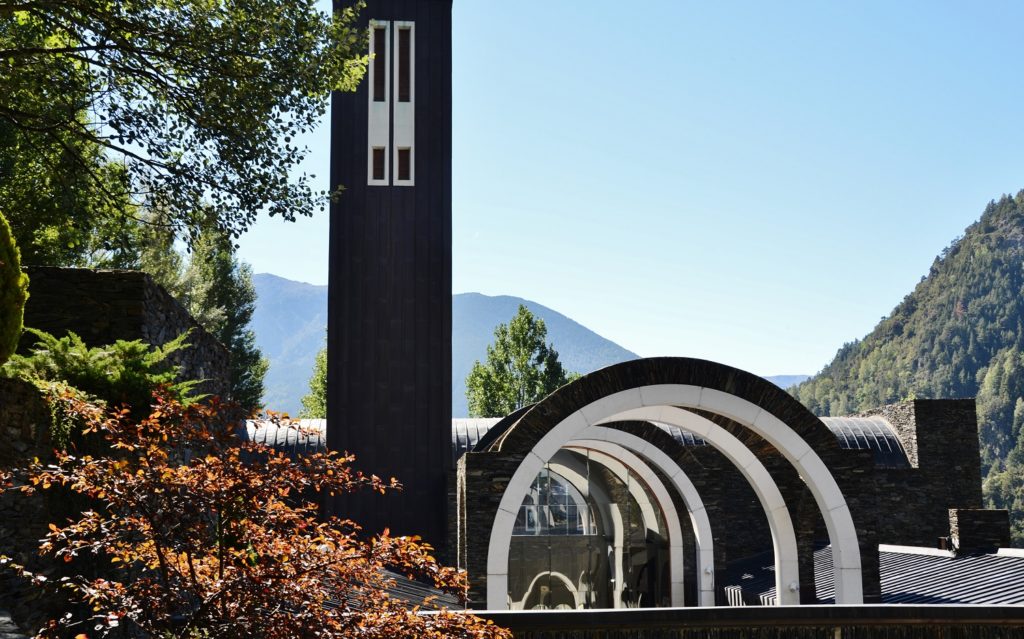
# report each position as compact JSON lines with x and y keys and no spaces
{"x":662,"y":482}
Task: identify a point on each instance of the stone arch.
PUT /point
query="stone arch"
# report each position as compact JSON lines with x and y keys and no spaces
{"x":787,"y":568}
{"x":631,"y":461}
{"x":652,"y":387}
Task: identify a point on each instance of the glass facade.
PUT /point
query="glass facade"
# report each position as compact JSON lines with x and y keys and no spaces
{"x":588,"y":534}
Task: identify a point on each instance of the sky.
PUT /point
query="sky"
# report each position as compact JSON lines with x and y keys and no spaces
{"x":747,"y":182}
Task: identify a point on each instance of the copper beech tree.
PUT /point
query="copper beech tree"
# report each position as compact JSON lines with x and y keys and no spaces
{"x":200,"y":534}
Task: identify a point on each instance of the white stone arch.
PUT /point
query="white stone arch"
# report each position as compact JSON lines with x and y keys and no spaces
{"x":787,"y":568}
{"x":663,"y":399}
{"x":784,"y":545}
{"x":661,"y":495}
{"x":570,"y":586}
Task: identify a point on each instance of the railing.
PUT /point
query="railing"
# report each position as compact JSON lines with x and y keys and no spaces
{"x":826,"y":622}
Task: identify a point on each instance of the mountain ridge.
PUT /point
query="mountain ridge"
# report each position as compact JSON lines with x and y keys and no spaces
{"x":291,"y":319}
{"x":958,"y":334}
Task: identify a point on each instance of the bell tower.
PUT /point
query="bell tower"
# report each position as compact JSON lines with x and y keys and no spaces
{"x":389,"y":300}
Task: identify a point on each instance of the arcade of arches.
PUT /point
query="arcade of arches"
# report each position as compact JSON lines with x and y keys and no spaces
{"x":637,"y":485}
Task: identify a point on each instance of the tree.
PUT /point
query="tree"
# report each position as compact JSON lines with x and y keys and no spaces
{"x":206,"y":536}
{"x":314,"y":403}
{"x":520,"y":370}
{"x":217,"y":290}
{"x":13,"y":292}
{"x":166,"y":105}
{"x":220,"y":292}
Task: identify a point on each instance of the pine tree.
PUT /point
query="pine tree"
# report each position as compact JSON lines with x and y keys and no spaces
{"x":217,"y":290}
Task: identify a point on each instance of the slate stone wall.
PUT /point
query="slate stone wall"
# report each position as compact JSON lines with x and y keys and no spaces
{"x":978,"y":530}
{"x":103,"y":306}
{"x":941,"y":441}
{"x":482,"y":479}
{"x":24,"y":434}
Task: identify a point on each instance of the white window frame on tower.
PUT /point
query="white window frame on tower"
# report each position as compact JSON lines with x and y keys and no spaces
{"x":379,"y":112}
{"x":404,"y":112}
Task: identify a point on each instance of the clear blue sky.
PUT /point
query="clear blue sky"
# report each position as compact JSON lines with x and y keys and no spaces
{"x":753,"y":183}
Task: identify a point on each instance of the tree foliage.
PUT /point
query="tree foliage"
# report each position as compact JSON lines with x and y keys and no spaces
{"x":520,"y":369}
{"x":314,"y":403}
{"x":217,"y":290}
{"x":207,"y":536}
{"x":13,"y":292}
{"x":170,"y":105}
{"x":960,"y":333}
{"x":120,"y":374}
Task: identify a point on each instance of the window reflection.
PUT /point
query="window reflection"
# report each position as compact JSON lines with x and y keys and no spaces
{"x":588,"y":534}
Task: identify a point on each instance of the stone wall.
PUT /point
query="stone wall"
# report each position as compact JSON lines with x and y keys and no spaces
{"x":978,"y":530}
{"x":25,"y":430}
{"x":103,"y":306}
{"x":940,"y":438}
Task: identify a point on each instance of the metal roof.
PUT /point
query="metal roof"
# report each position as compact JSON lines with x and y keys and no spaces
{"x":872,"y":433}
{"x":467,"y":431}
{"x":910,"y":575}
{"x":307,"y":436}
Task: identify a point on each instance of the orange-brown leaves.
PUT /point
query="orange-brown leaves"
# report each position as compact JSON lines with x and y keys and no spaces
{"x":206,"y":535}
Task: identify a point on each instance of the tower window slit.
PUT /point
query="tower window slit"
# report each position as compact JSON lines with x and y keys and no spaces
{"x":378,"y":163}
{"x":404,"y":68}
{"x":404,"y":164}
{"x":380,"y":40}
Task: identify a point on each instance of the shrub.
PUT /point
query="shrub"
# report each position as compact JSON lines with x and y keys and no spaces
{"x":120,"y":374}
{"x":202,"y":543}
{"x":13,"y":292}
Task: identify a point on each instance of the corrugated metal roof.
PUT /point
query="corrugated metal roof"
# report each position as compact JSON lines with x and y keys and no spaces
{"x":909,"y":576}
{"x":309,"y":435}
{"x":412,"y":592}
{"x":467,"y":431}
{"x":871,"y":433}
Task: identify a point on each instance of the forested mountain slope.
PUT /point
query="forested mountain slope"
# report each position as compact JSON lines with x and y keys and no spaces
{"x":960,"y":333}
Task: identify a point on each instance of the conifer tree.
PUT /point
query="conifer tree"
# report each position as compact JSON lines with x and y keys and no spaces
{"x":13,"y":293}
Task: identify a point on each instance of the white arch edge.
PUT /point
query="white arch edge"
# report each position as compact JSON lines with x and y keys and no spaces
{"x":637,"y":465}
{"x":705,"y":560}
{"x":838,"y":520}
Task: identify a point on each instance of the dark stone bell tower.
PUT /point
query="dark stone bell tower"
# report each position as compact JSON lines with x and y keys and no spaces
{"x":389,"y":305}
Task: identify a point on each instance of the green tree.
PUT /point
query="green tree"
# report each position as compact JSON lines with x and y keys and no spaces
{"x":217,"y":290}
{"x":166,"y":105}
{"x":13,"y":293}
{"x":520,"y":369}
{"x":314,"y":403}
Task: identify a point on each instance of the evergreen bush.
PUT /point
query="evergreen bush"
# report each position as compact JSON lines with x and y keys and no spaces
{"x":13,"y":292}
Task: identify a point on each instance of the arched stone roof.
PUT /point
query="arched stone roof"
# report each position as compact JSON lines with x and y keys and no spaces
{"x":520,"y":435}
{"x":873,"y":433}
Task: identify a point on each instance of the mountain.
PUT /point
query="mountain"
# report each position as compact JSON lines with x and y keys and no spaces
{"x":291,"y":319}
{"x":785,"y":381}
{"x":290,"y":323}
{"x":959,"y":333}
{"x":474,"y":317}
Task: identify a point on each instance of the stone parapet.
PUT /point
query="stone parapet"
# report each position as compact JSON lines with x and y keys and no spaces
{"x":103,"y":306}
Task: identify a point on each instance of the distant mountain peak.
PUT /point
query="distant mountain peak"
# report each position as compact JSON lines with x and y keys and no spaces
{"x":291,"y":318}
